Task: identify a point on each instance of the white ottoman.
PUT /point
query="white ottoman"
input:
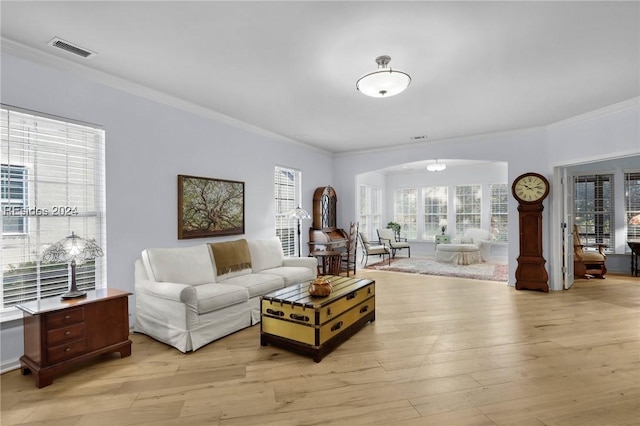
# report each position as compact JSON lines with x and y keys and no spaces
{"x":462,"y":254}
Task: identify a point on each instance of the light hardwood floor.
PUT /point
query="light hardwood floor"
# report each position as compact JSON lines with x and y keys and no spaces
{"x":442,"y":351}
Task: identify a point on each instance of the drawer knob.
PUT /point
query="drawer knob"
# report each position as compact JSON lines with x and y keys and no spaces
{"x":364,"y":309}
{"x":67,"y":349}
{"x":67,"y":316}
{"x":66,"y":333}
{"x":337,"y":326}
{"x":352,"y":295}
{"x":277,"y":313}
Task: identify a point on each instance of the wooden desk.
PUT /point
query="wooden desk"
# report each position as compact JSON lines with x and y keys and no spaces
{"x":59,"y":334}
{"x":329,"y":261}
{"x":635,"y":249}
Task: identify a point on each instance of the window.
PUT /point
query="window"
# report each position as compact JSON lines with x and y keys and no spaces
{"x":52,"y":185}
{"x":370,"y":214}
{"x":632,"y":205}
{"x":468,"y":207}
{"x":13,"y":187}
{"x":288,"y":196}
{"x":405,"y":203}
{"x":499,"y":216}
{"x":436,"y":200}
{"x":594,"y":213}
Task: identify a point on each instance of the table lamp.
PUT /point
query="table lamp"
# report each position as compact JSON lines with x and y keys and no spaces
{"x":299,"y":214}
{"x":75,"y":251}
{"x":443,"y":225}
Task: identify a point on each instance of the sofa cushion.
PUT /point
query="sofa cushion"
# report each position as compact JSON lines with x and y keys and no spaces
{"x":184,"y":265}
{"x":257,"y":284}
{"x":291,"y":274}
{"x":212,"y":297}
{"x":265,"y":254}
{"x":476,"y":235}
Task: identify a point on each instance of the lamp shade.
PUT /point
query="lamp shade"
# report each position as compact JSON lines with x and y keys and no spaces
{"x":384,"y":82}
{"x":75,"y":251}
{"x":298,"y":213}
{"x":436,"y":167}
{"x":70,"y":249}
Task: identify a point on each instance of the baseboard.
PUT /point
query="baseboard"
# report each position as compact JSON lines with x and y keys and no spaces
{"x":10,"y":365}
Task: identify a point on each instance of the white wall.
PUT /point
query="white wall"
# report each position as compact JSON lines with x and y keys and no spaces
{"x":147,"y":145}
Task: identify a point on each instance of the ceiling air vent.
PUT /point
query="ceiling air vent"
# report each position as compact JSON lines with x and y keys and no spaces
{"x":71,"y":48}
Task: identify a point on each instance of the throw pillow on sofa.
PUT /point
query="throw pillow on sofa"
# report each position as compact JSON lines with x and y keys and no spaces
{"x":266,"y":254}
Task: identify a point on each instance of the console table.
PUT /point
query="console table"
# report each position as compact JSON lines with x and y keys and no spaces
{"x":59,"y":334}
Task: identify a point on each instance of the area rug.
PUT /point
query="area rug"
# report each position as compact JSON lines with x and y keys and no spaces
{"x":429,"y":266}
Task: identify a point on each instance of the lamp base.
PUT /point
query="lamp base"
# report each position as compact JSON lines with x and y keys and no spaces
{"x":73,"y":294}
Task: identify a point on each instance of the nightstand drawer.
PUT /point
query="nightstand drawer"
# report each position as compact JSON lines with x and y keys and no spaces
{"x":65,"y":334}
{"x":66,"y":317}
{"x":68,"y":351}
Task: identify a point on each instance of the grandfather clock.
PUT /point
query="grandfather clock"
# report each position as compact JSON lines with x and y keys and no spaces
{"x":530,"y":189}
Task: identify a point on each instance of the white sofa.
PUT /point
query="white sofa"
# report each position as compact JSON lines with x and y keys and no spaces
{"x":183,"y":300}
{"x":473,"y":247}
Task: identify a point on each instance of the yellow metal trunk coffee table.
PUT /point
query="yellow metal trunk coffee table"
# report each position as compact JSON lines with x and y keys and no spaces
{"x":295,"y":320}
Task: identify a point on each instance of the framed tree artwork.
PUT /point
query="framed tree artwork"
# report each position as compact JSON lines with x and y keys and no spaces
{"x":209,"y":207}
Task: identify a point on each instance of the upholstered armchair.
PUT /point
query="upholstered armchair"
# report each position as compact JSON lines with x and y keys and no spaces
{"x":388,"y":238}
{"x":587,"y":264}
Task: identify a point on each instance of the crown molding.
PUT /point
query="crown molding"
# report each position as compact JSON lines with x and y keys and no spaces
{"x":45,"y":58}
{"x":599,"y":113}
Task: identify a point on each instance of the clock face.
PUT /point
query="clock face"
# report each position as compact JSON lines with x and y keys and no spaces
{"x":530,"y":188}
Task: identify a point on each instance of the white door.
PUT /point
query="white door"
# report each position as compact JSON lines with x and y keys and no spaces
{"x":567,"y":232}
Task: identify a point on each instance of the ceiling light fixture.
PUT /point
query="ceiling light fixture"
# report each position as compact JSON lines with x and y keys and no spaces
{"x":436,"y":167}
{"x":385,"y":81}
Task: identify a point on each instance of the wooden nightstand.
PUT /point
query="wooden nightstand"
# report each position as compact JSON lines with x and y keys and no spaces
{"x":59,"y":334}
{"x":443,"y":239}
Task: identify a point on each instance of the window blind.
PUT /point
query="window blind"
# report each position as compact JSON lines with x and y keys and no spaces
{"x":52,"y":184}
{"x":594,"y":209}
{"x":632,"y":205}
{"x":499,"y":212}
{"x":436,"y":202}
{"x":468,"y":203}
{"x":287,"y":184}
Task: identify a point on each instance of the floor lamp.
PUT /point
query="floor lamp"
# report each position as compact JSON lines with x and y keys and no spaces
{"x":298,"y":213}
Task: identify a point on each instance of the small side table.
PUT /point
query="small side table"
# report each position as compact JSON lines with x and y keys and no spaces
{"x":442,"y":239}
{"x":329,"y":260}
{"x":59,"y":334}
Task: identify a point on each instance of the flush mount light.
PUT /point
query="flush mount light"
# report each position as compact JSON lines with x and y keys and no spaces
{"x":436,"y":167}
{"x":384,"y":82}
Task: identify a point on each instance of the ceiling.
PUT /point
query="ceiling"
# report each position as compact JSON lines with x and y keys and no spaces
{"x":290,"y":68}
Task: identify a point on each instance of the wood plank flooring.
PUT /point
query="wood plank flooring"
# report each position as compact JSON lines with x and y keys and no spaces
{"x":442,"y":351}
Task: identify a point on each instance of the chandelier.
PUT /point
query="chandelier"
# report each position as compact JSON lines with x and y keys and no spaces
{"x":436,"y":167}
{"x":384,"y":82}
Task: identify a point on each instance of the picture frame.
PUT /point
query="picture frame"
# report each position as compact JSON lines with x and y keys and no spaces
{"x":209,"y":207}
